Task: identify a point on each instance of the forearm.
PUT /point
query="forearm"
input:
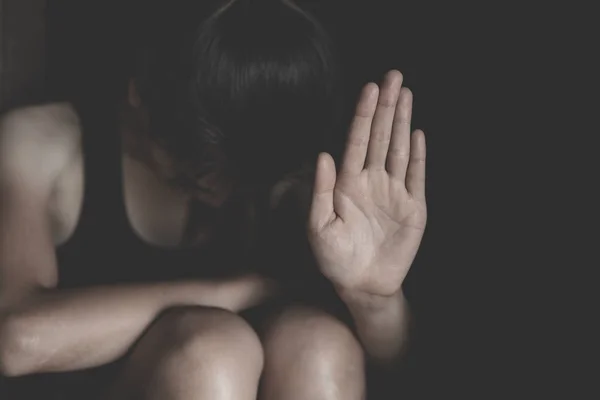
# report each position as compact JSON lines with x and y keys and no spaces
{"x":62,"y":330}
{"x":382,"y":324}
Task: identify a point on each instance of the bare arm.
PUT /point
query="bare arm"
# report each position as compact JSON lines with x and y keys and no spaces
{"x":53,"y":330}
{"x":367,"y":217}
{"x":382,"y":324}
{"x":43,"y":329}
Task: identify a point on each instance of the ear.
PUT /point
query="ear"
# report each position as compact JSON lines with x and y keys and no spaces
{"x":132,"y":95}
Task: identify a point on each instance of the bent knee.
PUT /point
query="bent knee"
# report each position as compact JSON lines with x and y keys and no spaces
{"x":194,"y":334}
{"x":312,"y":337}
{"x":193,"y":350}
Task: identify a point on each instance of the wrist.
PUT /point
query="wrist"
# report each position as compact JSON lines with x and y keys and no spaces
{"x":355,"y":299}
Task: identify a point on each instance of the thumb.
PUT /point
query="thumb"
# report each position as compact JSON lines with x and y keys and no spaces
{"x":321,"y":210}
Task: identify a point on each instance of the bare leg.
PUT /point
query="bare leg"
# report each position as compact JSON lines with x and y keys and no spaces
{"x":193,"y":353}
{"x":310,"y":355}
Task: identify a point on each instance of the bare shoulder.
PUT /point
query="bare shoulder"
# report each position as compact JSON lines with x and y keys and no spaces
{"x":41,"y":139}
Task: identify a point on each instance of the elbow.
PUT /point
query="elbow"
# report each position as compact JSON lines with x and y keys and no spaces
{"x":17,"y":346}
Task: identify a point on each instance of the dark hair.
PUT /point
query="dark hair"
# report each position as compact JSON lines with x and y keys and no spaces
{"x":255,"y":79}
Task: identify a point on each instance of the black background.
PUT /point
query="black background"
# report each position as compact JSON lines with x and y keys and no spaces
{"x":470,"y":70}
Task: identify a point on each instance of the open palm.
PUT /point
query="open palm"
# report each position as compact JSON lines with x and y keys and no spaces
{"x":367,"y":221}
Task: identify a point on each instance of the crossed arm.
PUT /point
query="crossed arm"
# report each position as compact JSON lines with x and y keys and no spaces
{"x":46,"y":329}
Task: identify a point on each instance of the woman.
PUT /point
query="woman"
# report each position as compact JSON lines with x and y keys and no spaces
{"x":128,"y":267}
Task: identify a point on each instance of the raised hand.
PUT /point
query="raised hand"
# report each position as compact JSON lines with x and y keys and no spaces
{"x":367,"y":220}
